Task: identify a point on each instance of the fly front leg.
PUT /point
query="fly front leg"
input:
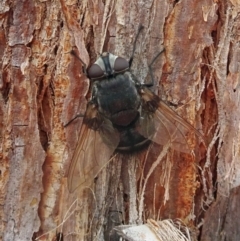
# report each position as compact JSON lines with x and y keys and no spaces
{"x":151,"y":70}
{"x":84,"y":67}
{"x":140,"y":28}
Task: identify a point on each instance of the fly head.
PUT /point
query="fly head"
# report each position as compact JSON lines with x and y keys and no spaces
{"x":107,"y":65}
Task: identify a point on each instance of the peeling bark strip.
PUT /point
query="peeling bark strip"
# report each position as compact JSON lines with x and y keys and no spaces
{"x":43,"y":87}
{"x":22,"y":24}
{"x":165,"y":230}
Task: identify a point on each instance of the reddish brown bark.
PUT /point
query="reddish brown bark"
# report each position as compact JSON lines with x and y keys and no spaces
{"x":43,"y":87}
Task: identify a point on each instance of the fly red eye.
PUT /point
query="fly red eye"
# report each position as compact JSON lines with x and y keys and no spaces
{"x":107,"y":65}
{"x":120,"y":65}
{"x":95,"y":72}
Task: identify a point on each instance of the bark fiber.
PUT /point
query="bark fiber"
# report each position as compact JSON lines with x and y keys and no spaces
{"x":43,"y":87}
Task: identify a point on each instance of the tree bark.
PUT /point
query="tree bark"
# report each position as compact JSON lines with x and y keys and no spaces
{"x":43,"y":87}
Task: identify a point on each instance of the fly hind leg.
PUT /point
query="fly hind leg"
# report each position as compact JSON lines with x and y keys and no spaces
{"x":92,"y":118}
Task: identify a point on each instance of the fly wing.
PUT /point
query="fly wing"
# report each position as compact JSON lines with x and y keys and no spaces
{"x":165,"y":125}
{"x":93,"y":151}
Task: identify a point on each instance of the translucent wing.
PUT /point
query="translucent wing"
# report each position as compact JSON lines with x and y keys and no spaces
{"x":93,"y":151}
{"x":164,"y":126}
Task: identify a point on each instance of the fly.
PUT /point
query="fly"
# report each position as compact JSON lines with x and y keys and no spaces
{"x":123,"y":115}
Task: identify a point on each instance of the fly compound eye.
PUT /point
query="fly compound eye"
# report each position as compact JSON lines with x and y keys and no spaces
{"x":95,"y":72}
{"x":106,"y":66}
{"x":120,"y":65}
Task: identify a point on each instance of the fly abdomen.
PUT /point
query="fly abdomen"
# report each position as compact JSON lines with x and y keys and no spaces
{"x":131,"y":140}
{"x":124,"y":118}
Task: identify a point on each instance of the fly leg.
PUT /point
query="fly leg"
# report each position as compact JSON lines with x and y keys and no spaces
{"x":85,"y":72}
{"x":150,"y":69}
{"x":77,"y":116}
{"x":84,"y":67}
{"x":140,"y":28}
{"x":92,"y":118}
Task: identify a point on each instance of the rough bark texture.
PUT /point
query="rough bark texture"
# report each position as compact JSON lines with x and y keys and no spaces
{"x":43,"y":87}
